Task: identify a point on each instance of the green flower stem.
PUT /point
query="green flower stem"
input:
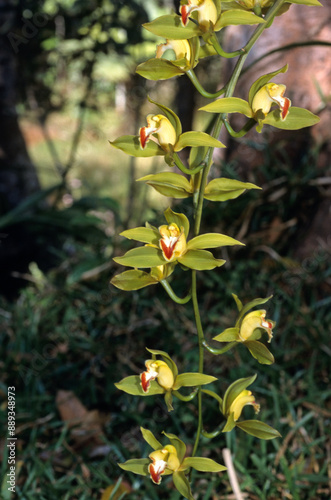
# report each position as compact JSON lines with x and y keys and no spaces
{"x":172,"y":294}
{"x":189,"y":397}
{"x":184,"y":169}
{"x":213,"y":395}
{"x":213,"y":40}
{"x":192,"y":76}
{"x":246,"y":128}
{"x":215,"y":351}
{"x":211,"y":435}
{"x":201,"y":356}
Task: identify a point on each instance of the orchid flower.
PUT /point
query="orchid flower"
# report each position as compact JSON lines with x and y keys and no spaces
{"x":161,"y":460}
{"x":162,"y":128}
{"x":157,"y":369}
{"x":170,"y":460}
{"x":173,"y":241}
{"x":243,"y":399}
{"x":253,"y":320}
{"x":181,"y":48}
{"x":206,"y":11}
{"x":269,"y":94}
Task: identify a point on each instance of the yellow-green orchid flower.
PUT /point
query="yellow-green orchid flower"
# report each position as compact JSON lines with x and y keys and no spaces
{"x":268,"y":95}
{"x":206,"y":12}
{"x":253,"y":320}
{"x":181,"y":48}
{"x":161,"y":460}
{"x":243,"y":399}
{"x":172,"y":242}
{"x":157,"y":369}
{"x":170,"y":460}
{"x":161,"y":127}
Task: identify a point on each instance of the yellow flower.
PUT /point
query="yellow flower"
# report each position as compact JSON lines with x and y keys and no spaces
{"x":161,"y":460}
{"x":253,"y":320}
{"x":243,"y":399}
{"x":157,"y":369}
{"x":269,"y":94}
{"x":162,"y":128}
{"x":173,"y":241}
{"x":206,"y":10}
{"x":181,"y":48}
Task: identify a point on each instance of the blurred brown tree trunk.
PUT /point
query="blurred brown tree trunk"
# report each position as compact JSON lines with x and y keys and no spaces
{"x":18,"y":178}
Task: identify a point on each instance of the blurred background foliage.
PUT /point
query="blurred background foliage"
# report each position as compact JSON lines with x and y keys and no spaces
{"x":67,"y":335}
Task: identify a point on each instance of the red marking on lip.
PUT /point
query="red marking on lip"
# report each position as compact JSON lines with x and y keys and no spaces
{"x":168,"y":250}
{"x":185,"y":12}
{"x":143,"y":137}
{"x":285,"y":108}
{"x":145,"y":382}
{"x":155,"y":473}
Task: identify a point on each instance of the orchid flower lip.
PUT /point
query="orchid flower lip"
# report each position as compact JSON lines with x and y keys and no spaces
{"x":156,"y":469}
{"x":168,"y":245}
{"x":147,"y":376}
{"x":145,"y":134}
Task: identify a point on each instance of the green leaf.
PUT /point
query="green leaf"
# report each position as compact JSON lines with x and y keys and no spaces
{"x":171,"y":27}
{"x":192,"y":380}
{"x":180,"y":219}
{"x":169,"y":184}
{"x":131,"y":385}
{"x":178,"y":444}
{"x":151,"y":439}
{"x":203,"y":464}
{"x":258,"y":429}
{"x":196,"y":139}
{"x":229,"y":335}
{"x":237,"y":17}
{"x":253,"y":303}
{"x":296,"y":119}
{"x":182,"y":485}
{"x":130,"y":145}
{"x":211,"y":240}
{"x":200,"y":260}
{"x":171,"y":115}
{"x":197,"y":156}
{"x":133,"y":280}
{"x":229,"y":105}
{"x":172,"y":365}
{"x":223,"y":189}
{"x":259,"y":352}
{"x":158,"y":69}
{"x":238,"y":301}
{"x":142,"y":234}
{"x":234,"y":390}
{"x":141,"y":257}
{"x":136,"y":465}
{"x":263,"y":80}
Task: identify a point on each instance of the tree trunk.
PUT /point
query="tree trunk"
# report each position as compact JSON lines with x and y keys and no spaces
{"x":18,"y":177}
